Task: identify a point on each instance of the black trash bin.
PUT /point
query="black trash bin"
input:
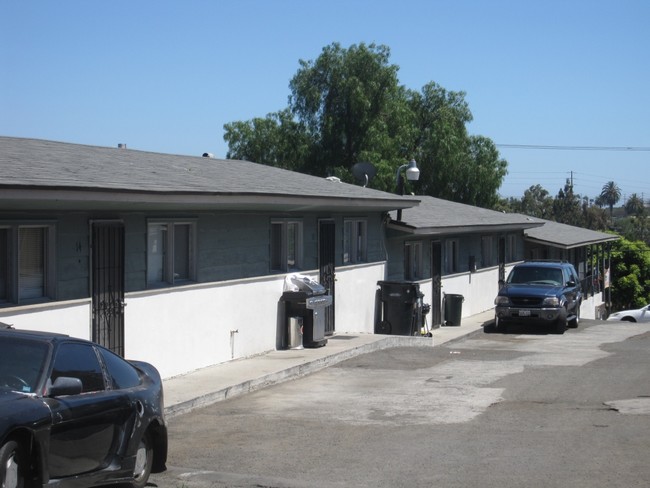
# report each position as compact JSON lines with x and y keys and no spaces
{"x":453,"y":309}
{"x":399,"y":308}
{"x":308,"y":302}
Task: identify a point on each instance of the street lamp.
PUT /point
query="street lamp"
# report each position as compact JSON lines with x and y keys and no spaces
{"x":412,"y":174}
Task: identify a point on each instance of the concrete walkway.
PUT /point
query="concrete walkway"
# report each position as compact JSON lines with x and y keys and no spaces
{"x":216,"y":383}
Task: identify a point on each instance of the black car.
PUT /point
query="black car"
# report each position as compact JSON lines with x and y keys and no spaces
{"x":540,"y":292}
{"x":74,"y":414}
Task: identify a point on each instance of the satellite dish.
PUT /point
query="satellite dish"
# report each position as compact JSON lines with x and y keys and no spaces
{"x":364,"y":172}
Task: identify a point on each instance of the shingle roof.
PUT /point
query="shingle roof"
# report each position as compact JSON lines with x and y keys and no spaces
{"x":437,"y":216}
{"x":48,"y":165}
{"x":566,"y":236}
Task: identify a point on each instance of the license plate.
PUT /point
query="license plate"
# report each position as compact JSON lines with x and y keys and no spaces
{"x":524,"y":313}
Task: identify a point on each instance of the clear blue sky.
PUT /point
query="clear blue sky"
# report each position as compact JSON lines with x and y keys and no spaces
{"x":166,"y":76}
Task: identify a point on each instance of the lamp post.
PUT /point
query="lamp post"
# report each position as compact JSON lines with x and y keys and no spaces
{"x":412,"y":174}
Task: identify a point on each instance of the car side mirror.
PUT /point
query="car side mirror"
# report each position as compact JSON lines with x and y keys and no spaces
{"x":65,"y":385}
{"x":570,"y":283}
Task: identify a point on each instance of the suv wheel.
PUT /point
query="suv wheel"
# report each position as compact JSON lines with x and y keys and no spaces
{"x":576,"y":320}
{"x":499,"y":326}
{"x":560,"y":325}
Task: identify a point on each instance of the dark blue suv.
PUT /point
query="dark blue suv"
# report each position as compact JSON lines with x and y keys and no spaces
{"x":540,"y":292}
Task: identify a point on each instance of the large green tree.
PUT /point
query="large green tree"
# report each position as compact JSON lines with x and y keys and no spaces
{"x":537,"y":202}
{"x":341,"y":98}
{"x":567,"y":208}
{"x":610,"y":195}
{"x":276,"y":140}
{"x":347,"y":106}
{"x":630,"y":274}
{"x":635,"y":205}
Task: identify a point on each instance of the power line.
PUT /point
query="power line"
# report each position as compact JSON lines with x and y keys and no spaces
{"x":575,"y":148}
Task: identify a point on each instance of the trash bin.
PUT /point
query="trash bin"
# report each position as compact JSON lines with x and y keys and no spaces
{"x":399,"y":308}
{"x":295,"y":333}
{"x":453,"y":309}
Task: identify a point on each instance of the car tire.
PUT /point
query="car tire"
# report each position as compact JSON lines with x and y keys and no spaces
{"x":12,"y":469}
{"x":500,"y":326}
{"x":143,"y":462}
{"x":576,"y":320}
{"x":560,"y":325}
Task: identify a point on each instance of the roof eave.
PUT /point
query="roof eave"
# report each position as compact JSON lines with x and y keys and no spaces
{"x":459,"y":229}
{"x":20,"y":198}
{"x":572,"y":245}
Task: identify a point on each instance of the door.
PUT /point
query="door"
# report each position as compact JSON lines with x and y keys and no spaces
{"x":107,"y":255}
{"x":87,"y":429}
{"x":436,"y":283}
{"x":571,"y":289}
{"x":326,"y":254}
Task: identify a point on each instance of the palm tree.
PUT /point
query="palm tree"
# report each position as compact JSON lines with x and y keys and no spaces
{"x":634,"y":205}
{"x":611,"y":194}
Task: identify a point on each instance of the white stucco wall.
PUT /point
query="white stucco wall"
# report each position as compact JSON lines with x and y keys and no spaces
{"x":478,"y":289}
{"x":184,"y":329}
{"x":355,"y":297}
{"x":187,"y":328}
{"x":588,"y":309}
{"x":71,"y":318}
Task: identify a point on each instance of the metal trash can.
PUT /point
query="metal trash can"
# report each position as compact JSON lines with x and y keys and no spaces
{"x":452,"y":306}
{"x":295,"y":333}
{"x":399,"y":308}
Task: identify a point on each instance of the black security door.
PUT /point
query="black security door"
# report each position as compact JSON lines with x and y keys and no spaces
{"x":436,"y":283}
{"x":326,"y":254}
{"x":107,"y":256}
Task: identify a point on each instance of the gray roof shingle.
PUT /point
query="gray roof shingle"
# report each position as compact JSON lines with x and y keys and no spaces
{"x":437,"y":216}
{"x":48,"y":165}
{"x":566,"y":236}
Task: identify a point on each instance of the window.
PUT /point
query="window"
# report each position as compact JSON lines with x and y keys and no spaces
{"x":26,"y":262}
{"x":451,"y":256}
{"x":413,"y":260}
{"x":121,"y":374}
{"x":355,"y":241}
{"x":487,"y":251}
{"x":31,"y":262}
{"x":4,"y":265}
{"x":22,"y":360}
{"x":286,"y":245}
{"x":511,"y":248}
{"x":170,"y":252}
{"x":79,"y":361}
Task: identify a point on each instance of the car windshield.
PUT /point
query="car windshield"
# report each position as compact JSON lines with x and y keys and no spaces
{"x":531,"y":275}
{"x":21,"y":364}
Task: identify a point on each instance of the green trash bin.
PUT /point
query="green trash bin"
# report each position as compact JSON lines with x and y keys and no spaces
{"x":453,"y":309}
